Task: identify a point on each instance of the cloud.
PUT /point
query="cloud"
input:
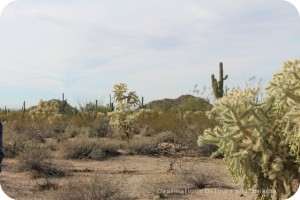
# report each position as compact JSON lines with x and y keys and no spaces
{"x":160,"y":48}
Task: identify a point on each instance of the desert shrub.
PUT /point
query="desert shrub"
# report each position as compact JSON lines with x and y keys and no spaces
{"x":147,"y":147}
{"x":17,"y":121}
{"x":73,"y":131}
{"x":85,"y":148}
{"x":195,"y":104}
{"x":47,"y":184}
{"x":100,"y":127}
{"x":13,"y":144}
{"x":166,"y":121}
{"x":37,"y":159}
{"x":97,"y":186}
{"x":207,"y":150}
{"x":200,"y":179}
{"x":196,"y":123}
{"x":166,"y":136}
{"x":104,"y":109}
{"x":146,"y":131}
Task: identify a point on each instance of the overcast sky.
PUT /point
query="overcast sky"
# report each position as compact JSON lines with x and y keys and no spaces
{"x":159,"y":48}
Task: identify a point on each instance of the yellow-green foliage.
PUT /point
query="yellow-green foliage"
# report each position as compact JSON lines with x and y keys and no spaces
{"x":121,"y":119}
{"x":166,"y":121}
{"x":46,"y":110}
{"x":260,"y":141}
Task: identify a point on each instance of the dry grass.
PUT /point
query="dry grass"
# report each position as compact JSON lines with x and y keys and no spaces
{"x":13,"y":143}
{"x":166,"y":121}
{"x":88,"y":148}
{"x":37,"y":159}
{"x":147,"y":147}
{"x":97,"y":186}
{"x":200,"y":179}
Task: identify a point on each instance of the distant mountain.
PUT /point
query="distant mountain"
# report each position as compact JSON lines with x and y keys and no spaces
{"x":186,"y":102}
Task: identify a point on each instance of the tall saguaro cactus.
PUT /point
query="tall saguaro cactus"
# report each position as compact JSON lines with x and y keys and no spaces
{"x":218,"y":86}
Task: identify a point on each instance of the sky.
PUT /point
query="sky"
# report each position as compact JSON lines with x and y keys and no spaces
{"x":160,"y":49}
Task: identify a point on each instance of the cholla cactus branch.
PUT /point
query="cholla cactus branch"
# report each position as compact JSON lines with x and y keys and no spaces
{"x":260,"y":141}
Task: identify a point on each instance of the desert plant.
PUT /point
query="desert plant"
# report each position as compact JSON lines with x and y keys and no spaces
{"x":166,"y":136}
{"x":97,"y":186}
{"x":166,"y":121}
{"x":121,"y":119}
{"x":100,"y":127}
{"x":85,"y":148}
{"x":259,"y":140}
{"x":196,"y":122}
{"x":195,"y":104}
{"x":218,"y":86}
{"x":37,"y":159}
{"x":13,"y":145}
{"x":47,"y":184}
{"x":200,"y":179}
{"x":147,"y":147}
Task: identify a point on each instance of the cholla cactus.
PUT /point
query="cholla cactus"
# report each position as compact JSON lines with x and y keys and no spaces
{"x":46,"y":110}
{"x":260,"y":141}
{"x":123,"y":100}
{"x":120,"y":119}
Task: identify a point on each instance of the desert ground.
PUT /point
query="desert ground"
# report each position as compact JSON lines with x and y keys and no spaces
{"x":142,"y":175}
{"x":54,"y":155}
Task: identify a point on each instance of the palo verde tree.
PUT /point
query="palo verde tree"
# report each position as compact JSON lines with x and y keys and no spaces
{"x":260,"y":141}
{"x":121,"y":118}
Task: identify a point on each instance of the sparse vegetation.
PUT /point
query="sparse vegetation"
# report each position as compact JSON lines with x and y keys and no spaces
{"x":258,"y":141}
{"x":201,"y":179}
{"x":37,"y":159}
{"x":86,"y":148}
{"x":96,"y":186}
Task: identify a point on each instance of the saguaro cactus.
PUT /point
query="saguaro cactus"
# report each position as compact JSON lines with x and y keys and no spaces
{"x":23,"y":107}
{"x":218,"y":86}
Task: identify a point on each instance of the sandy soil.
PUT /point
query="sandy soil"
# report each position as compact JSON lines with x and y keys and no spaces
{"x":139,"y":172}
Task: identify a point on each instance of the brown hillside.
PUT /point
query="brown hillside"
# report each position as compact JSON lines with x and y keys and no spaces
{"x":179,"y":102}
